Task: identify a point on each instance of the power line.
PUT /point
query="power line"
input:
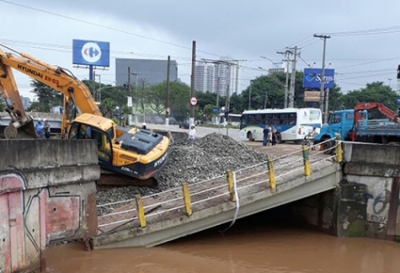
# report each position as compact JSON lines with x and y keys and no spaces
{"x":371,"y":62}
{"x":103,"y":26}
{"x":372,"y":31}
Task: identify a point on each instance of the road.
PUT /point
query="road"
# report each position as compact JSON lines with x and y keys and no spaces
{"x":200,"y":131}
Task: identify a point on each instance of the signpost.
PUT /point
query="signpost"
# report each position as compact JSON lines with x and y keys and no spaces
{"x":91,"y":53}
{"x":193,"y":101}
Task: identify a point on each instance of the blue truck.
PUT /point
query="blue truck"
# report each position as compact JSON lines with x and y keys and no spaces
{"x":354,"y":125}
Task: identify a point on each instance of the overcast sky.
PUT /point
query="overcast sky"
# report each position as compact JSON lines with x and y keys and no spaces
{"x":243,"y":30}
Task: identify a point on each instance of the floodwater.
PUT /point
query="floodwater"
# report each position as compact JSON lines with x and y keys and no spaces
{"x":249,"y":246}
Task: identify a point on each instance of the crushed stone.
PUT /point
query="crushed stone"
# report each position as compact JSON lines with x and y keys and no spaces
{"x":192,"y":161}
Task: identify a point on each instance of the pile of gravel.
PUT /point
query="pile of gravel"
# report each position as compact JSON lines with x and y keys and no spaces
{"x":192,"y":161}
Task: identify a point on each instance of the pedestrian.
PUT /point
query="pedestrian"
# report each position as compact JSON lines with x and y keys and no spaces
{"x":269,"y":143}
{"x":39,"y":128}
{"x":266,"y":134}
{"x":144,"y":126}
{"x":46,"y":127}
{"x":274,"y":136}
{"x":192,"y":132}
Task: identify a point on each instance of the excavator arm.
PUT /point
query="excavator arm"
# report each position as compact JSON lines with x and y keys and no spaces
{"x":14,"y":107}
{"x":390,"y":114}
{"x":75,"y":92}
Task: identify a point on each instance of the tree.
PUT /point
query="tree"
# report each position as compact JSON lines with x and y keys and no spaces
{"x":47,"y":97}
{"x":107,"y":107}
{"x":208,"y":111}
{"x":179,"y":95}
{"x":2,"y":106}
{"x":373,"y":92}
{"x":156,"y":97}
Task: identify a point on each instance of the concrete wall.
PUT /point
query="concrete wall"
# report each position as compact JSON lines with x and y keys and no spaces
{"x":367,"y":201}
{"x":47,"y":195}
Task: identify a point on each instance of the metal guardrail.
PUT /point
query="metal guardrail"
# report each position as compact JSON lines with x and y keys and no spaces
{"x":230,"y":189}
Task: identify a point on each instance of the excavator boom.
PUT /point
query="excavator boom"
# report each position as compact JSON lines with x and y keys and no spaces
{"x":138,"y":154}
{"x":390,"y":114}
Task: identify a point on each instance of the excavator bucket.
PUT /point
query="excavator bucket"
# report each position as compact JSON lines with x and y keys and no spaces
{"x":26,"y":131}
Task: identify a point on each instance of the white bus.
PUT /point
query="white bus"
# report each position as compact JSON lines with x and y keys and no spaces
{"x":233,"y":119}
{"x":292,"y":124}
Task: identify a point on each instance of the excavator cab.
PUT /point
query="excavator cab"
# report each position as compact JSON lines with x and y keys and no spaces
{"x":103,"y":139}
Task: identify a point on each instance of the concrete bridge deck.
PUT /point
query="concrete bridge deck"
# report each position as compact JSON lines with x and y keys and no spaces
{"x":166,"y":216}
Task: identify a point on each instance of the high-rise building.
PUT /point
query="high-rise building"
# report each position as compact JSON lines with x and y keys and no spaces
{"x":204,"y":78}
{"x":216,"y":78}
{"x":147,"y":70}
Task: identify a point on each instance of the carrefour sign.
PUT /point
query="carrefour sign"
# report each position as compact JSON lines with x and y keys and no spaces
{"x":313,"y":77}
{"x":91,"y":53}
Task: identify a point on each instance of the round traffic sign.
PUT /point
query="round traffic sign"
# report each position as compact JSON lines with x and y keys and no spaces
{"x":193,"y":101}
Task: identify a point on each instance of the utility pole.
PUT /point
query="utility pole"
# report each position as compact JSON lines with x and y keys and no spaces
{"x":251,"y":83}
{"x":293,"y":78}
{"x":227,"y":98}
{"x":130,"y":93}
{"x":167,"y":95}
{"x":237,"y":77}
{"x":192,"y":80}
{"x":287,"y":54}
{"x":322,"y":88}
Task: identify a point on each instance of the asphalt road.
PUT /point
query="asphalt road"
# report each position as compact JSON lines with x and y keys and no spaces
{"x":200,"y":131}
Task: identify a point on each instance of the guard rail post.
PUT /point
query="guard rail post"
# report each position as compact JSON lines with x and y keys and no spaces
{"x":186,"y":199}
{"x":229,"y":178}
{"x":271,"y":174}
{"x":339,"y":151}
{"x":306,"y":160}
{"x":140,"y":210}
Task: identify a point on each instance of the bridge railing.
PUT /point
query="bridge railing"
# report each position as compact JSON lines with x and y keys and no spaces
{"x":228,"y":187}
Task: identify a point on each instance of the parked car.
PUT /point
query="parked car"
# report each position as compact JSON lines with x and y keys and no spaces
{"x":184,"y":124}
{"x":172,"y":121}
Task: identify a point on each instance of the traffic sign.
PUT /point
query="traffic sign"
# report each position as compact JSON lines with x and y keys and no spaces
{"x":193,"y":101}
{"x":398,"y":100}
{"x":216,"y":110}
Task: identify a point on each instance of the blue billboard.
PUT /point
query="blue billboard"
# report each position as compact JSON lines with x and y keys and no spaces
{"x":313,"y":76}
{"x":91,"y":53}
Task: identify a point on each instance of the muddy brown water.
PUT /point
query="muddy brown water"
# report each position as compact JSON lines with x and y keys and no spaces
{"x":258,"y":244}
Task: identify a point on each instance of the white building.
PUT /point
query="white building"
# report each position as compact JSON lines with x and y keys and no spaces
{"x":216,"y":77}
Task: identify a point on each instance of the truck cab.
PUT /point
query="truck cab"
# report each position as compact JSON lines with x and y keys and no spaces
{"x":339,"y":122}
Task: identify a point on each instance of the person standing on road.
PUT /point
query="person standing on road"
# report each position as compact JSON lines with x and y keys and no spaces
{"x":192,"y":132}
{"x":39,"y":128}
{"x":46,"y":128}
{"x":274,"y":136}
{"x":266,"y":134}
{"x":269,"y":136}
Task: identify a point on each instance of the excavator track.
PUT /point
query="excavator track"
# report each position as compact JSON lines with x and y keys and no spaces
{"x":109,"y":180}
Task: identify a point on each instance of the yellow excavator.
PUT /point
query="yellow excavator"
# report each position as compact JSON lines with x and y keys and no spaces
{"x":139,"y":154}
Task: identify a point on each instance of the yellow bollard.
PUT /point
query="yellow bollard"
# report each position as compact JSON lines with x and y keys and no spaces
{"x":140,"y":210}
{"x":306,"y":161}
{"x":229,"y":178}
{"x":271,"y":174}
{"x":186,"y":199}
{"x":339,"y":151}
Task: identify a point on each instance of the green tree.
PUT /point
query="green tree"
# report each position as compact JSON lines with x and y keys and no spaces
{"x":206,"y":98}
{"x":107,"y":107}
{"x":2,"y":105}
{"x":208,"y":111}
{"x":373,"y":92}
{"x":47,"y":97}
